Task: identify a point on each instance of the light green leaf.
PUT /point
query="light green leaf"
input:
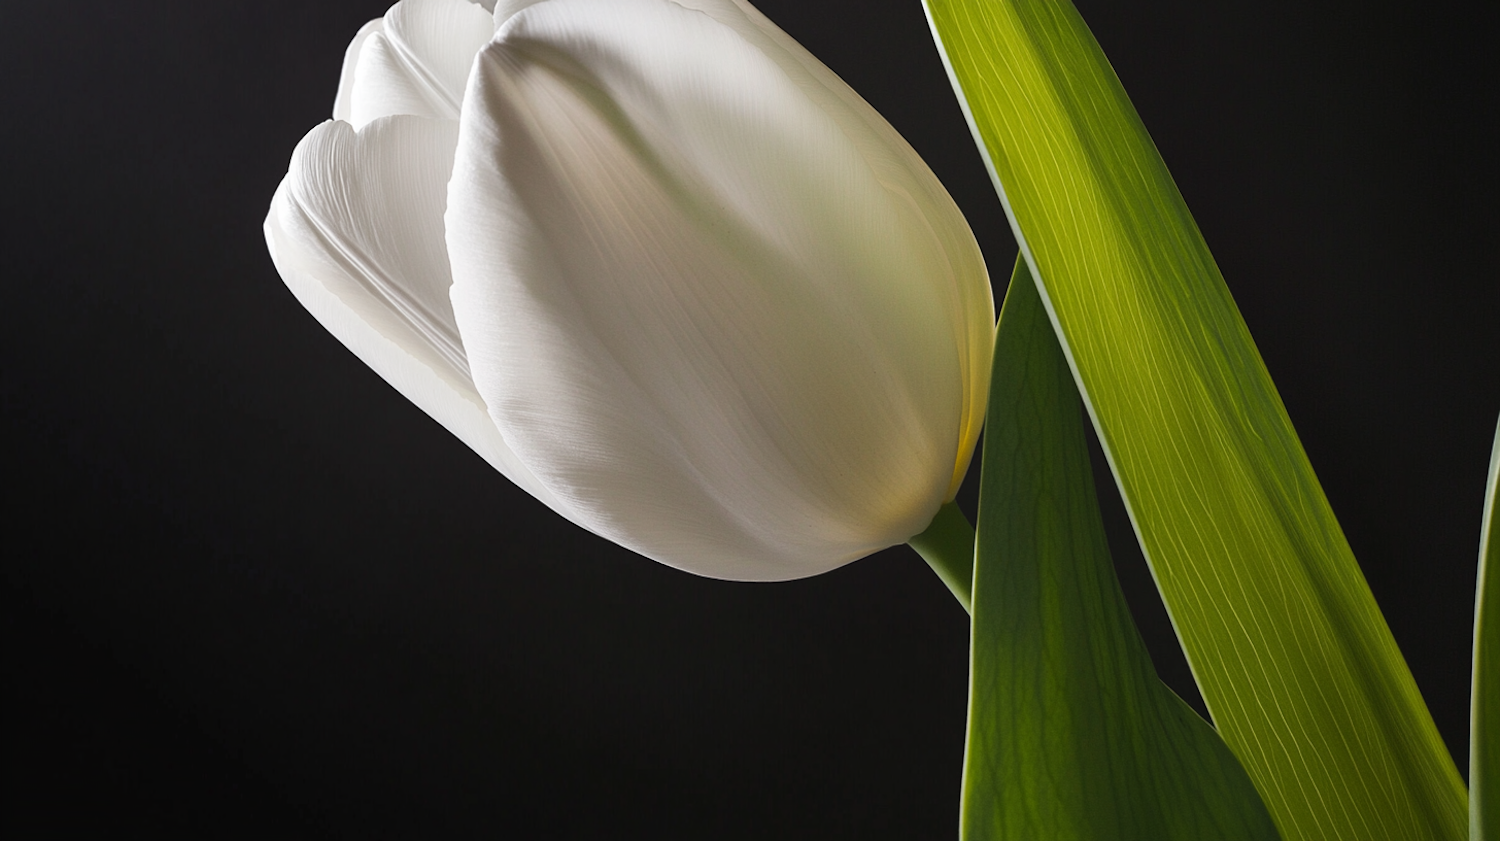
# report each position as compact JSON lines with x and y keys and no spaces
{"x":1484,"y":729}
{"x":1295,"y":661}
{"x":1071,"y":734}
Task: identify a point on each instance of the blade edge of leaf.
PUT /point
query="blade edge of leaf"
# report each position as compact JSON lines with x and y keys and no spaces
{"x":1484,"y":707}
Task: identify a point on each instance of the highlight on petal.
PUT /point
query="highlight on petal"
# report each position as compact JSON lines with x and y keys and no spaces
{"x":715,"y":318}
{"x":414,"y":61}
{"x":342,"y":108}
{"x":356,"y":232}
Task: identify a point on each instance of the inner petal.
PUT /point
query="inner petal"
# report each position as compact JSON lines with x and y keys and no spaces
{"x":417,"y":61}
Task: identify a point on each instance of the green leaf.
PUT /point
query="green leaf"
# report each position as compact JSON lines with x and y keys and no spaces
{"x":1071,"y":734}
{"x":1295,"y":661}
{"x":1484,"y":729}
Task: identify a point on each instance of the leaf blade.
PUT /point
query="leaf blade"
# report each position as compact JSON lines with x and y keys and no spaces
{"x":1292,"y":655}
{"x":1071,"y":734}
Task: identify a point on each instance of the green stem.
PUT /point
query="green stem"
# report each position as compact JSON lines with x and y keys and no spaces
{"x":948,"y":547}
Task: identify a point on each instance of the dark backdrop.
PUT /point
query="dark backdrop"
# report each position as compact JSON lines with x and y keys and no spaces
{"x":252,"y":592}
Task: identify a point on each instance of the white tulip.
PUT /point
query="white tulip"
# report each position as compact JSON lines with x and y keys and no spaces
{"x":656,"y":264}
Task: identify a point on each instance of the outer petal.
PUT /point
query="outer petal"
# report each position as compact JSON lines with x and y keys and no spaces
{"x":413,"y":61}
{"x":355,"y":230}
{"x":903,"y":173}
{"x":699,"y":311}
{"x":905,"y":176}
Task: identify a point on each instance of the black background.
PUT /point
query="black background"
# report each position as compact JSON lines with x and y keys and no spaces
{"x":252,"y":592}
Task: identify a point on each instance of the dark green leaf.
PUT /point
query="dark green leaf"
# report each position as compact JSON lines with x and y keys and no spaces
{"x":1071,"y":734}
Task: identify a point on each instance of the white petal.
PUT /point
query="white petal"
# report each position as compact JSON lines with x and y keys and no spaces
{"x":416,"y":62}
{"x":703,"y":316}
{"x":899,"y":168}
{"x":341,"y":101}
{"x":369,"y":205}
{"x":506,"y":9}
{"x":903,"y":173}
{"x":355,"y":230}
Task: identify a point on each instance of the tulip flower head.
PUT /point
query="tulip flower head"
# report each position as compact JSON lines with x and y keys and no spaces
{"x":657,"y":265}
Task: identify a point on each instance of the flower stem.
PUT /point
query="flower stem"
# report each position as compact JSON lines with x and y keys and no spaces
{"x":948,"y":547}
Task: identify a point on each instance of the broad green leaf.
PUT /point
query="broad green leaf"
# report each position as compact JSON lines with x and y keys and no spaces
{"x":1294,"y":659}
{"x":1071,"y":734}
{"x":1484,"y":729}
